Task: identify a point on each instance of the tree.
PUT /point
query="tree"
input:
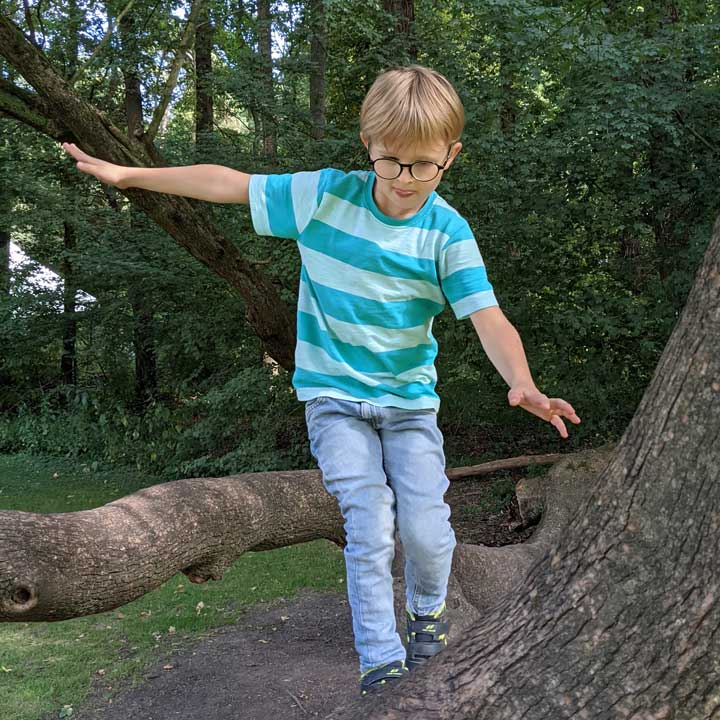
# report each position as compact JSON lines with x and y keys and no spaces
{"x":612,"y":609}
{"x":62,"y":114}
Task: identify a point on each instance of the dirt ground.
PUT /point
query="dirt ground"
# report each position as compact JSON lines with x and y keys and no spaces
{"x":262,"y":668}
{"x":287,"y":660}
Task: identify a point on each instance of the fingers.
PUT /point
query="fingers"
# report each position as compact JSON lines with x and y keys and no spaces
{"x":515,"y":397}
{"x":559,"y":425}
{"x":561,"y":407}
{"x":77,"y":153}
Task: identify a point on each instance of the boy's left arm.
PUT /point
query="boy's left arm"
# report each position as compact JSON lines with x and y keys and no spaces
{"x":503,"y":346}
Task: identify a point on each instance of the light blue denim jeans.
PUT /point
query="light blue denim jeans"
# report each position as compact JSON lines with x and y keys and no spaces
{"x":385,"y":465}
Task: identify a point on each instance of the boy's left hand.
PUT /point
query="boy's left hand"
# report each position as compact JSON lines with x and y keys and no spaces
{"x":553,"y":410}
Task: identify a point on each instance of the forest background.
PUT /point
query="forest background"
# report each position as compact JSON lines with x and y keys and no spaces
{"x":588,"y":174}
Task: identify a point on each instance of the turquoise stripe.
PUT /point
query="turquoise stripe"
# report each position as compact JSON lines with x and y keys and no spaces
{"x":360,"y":358}
{"x":278,"y":197}
{"x":465,"y":282}
{"x":303,"y":378}
{"x":365,"y":254}
{"x":361,"y":311}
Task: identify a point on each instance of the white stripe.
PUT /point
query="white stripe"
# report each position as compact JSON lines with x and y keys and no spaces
{"x":471,"y":303}
{"x":364,"y":283}
{"x":360,"y":222}
{"x":459,"y":255}
{"x":258,"y":205}
{"x":443,"y":204}
{"x":372,"y":337}
{"x":315,"y":359}
{"x":304,"y":187}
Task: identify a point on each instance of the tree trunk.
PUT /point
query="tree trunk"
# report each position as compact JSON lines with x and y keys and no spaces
{"x":611,"y":610}
{"x":204,"y":109}
{"x":143,"y":346}
{"x":621,"y":619}
{"x":68,"y":361}
{"x":404,"y":12}
{"x":316,"y":10}
{"x":143,"y":336}
{"x":264,"y":33}
{"x":4,"y":259}
{"x":57,"y":109}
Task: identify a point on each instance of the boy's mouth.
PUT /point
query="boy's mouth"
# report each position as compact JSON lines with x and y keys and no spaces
{"x":404,"y":193}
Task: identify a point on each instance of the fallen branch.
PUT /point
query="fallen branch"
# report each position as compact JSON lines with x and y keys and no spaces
{"x":506,"y":464}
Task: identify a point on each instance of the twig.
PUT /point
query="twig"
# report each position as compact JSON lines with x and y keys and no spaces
{"x":299,"y":704}
{"x":506,"y":464}
{"x":98,"y":47}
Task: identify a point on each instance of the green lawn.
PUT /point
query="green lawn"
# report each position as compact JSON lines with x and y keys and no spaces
{"x":47,"y":668}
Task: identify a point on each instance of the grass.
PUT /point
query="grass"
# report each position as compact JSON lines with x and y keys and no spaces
{"x":47,"y":669}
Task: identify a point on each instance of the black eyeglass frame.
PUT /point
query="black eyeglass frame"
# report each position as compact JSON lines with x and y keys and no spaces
{"x":410,"y":166}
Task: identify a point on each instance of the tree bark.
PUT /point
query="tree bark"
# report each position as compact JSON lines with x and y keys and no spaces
{"x":204,"y":105}
{"x":186,"y":220}
{"x":285,"y":517}
{"x":316,"y":12}
{"x":264,"y":34}
{"x":4,"y":262}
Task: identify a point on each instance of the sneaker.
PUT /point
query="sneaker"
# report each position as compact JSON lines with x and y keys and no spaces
{"x":377,"y":680}
{"x":426,"y":636}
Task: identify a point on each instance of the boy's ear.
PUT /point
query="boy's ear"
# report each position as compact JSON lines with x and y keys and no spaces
{"x":364,"y":140}
{"x":456,"y":148}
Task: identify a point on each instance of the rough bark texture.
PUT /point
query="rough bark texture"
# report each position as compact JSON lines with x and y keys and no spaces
{"x":621,"y":618}
{"x":58,"y":566}
{"x":118,"y":552}
{"x":186,"y":220}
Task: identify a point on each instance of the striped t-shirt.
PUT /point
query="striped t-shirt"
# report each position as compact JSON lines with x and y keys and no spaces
{"x":370,"y":285}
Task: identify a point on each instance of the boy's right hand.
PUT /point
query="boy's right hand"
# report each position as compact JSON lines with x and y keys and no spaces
{"x":105,"y":172}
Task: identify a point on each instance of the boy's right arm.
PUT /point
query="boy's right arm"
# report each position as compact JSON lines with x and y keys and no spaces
{"x":214,"y":183}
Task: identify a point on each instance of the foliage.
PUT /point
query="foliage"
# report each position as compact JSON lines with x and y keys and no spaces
{"x":587,"y":173}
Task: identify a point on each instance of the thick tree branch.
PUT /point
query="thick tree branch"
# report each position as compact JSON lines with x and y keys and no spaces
{"x":187,"y":221}
{"x":58,"y":566}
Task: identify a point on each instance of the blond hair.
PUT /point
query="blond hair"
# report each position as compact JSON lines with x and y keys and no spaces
{"x":413,"y":104}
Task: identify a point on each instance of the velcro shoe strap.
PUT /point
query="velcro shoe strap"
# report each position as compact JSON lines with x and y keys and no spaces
{"x":424,"y":649}
{"x":428,"y":627}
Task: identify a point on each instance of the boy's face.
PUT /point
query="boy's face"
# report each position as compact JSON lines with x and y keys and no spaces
{"x":404,"y":196}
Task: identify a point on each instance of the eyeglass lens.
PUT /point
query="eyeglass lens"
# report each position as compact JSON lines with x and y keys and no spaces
{"x":421,"y":170}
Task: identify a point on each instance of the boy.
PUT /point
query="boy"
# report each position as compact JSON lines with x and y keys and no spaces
{"x":380,"y":253}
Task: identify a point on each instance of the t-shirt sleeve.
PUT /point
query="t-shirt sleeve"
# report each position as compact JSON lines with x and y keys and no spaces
{"x":463,"y":277}
{"x":283,"y":205}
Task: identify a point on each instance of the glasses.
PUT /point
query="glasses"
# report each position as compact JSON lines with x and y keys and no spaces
{"x":422,"y":170}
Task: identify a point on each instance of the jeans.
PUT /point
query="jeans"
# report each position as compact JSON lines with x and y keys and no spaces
{"x":385,"y":465}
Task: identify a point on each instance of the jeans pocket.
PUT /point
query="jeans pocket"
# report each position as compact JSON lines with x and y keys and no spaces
{"x":311,"y":404}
